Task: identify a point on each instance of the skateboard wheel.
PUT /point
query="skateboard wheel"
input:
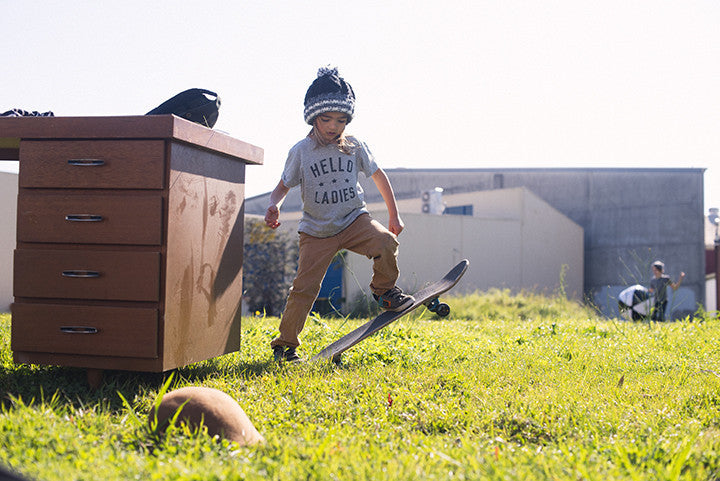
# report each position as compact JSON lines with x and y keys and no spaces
{"x":432,"y":305}
{"x":337,"y":359}
{"x":442,"y":310}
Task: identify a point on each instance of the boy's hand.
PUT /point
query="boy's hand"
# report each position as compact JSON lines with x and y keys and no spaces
{"x":396,"y":225}
{"x":271,"y":217}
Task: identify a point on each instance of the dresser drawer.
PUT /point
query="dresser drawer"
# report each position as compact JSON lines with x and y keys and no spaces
{"x":79,"y":218}
{"x":88,"y":330}
{"x":96,"y":164}
{"x":85,"y":274}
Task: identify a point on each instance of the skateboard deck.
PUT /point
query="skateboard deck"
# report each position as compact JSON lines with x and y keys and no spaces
{"x":427,"y":296}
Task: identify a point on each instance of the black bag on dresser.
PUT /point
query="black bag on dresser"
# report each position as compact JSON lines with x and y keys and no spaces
{"x":198,"y":105}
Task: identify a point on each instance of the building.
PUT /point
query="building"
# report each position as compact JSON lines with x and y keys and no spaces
{"x":8,"y":205}
{"x":629,"y":218}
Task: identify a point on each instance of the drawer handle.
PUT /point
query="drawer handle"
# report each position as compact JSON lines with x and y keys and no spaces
{"x":78,"y":330}
{"x":81,"y":274}
{"x":83,"y":218}
{"x":86,"y":162}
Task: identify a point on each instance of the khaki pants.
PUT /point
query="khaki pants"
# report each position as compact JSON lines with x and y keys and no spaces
{"x":364,"y":236}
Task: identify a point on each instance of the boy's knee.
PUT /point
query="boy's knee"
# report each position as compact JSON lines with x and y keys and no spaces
{"x":386,"y":244}
{"x":390,"y":240}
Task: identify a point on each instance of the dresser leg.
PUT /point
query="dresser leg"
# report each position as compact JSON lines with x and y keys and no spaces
{"x":94,"y":378}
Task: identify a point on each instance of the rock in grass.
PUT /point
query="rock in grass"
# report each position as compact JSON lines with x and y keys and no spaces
{"x":216,"y":410}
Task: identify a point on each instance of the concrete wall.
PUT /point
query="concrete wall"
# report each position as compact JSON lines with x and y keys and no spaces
{"x":518,"y":243}
{"x":551,"y":239}
{"x":537,"y":237}
{"x":8,"y":208}
{"x":431,"y":245}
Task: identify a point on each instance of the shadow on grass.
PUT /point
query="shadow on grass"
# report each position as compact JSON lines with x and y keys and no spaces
{"x":33,"y":383}
{"x":209,"y":369}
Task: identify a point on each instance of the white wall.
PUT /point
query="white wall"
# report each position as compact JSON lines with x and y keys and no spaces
{"x":431,"y":245}
{"x":514,"y":240}
{"x":8,"y":208}
{"x":550,"y":240}
{"x":710,"y":293}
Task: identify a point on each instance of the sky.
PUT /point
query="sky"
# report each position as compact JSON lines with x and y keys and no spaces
{"x":439,"y":84}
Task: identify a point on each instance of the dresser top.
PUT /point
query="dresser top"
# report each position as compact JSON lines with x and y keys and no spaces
{"x":170,"y":127}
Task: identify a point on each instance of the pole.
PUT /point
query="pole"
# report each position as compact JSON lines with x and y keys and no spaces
{"x":717,"y":273}
{"x":714,"y":219}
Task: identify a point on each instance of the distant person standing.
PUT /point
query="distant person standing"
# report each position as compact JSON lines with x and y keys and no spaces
{"x":658,"y":287}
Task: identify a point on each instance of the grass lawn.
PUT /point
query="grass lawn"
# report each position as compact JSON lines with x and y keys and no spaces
{"x":509,"y":387}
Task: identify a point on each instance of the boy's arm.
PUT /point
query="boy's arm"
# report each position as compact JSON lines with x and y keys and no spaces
{"x":277,"y":197}
{"x":395,"y":223}
{"x":675,"y":285}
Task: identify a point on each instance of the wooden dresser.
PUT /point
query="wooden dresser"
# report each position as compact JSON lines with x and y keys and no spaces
{"x":129,"y":241}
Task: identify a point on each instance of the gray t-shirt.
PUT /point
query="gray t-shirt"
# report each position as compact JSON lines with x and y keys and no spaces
{"x":659,"y":286}
{"x":328,"y":178}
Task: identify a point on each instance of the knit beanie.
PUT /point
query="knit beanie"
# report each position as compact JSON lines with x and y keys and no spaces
{"x":329,"y":93}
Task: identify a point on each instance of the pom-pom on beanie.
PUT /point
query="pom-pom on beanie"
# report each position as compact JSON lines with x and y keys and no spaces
{"x":329,"y":93}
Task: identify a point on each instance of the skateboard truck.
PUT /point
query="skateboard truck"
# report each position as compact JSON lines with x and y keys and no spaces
{"x":439,"y":308}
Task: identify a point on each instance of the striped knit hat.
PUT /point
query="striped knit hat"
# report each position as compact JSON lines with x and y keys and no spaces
{"x":329,"y":93}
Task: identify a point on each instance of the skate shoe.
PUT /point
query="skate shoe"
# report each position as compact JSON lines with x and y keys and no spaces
{"x":394,"y":300}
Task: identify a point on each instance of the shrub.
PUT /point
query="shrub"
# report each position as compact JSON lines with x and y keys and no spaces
{"x":269,"y":265}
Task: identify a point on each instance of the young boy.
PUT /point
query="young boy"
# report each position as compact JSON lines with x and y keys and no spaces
{"x":658,"y":287}
{"x":325,"y":165}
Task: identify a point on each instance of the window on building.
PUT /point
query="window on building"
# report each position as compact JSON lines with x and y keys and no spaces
{"x":459,"y":210}
{"x":498,"y":181}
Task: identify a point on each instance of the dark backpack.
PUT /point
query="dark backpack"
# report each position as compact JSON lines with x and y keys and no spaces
{"x":197,"y":105}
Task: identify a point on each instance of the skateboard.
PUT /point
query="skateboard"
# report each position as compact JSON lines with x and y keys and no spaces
{"x":428,"y":297}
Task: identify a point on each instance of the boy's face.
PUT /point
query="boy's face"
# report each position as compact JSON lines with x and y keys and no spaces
{"x":330,"y":125}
